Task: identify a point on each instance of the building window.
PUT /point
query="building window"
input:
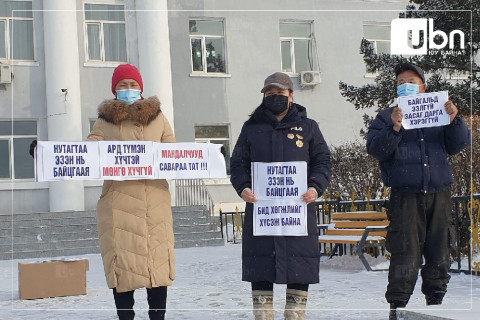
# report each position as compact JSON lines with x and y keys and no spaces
{"x":296,"y":46}
{"x":105,"y":35}
{"x":217,"y":134}
{"x":15,"y":139}
{"x":207,"y":41}
{"x":91,"y":122}
{"x":16,"y":31}
{"x":378,"y":35}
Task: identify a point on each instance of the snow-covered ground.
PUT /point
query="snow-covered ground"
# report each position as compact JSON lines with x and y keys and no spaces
{"x":209,"y":286}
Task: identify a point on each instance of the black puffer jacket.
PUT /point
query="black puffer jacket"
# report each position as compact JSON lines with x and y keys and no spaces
{"x":415,"y":160}
{"x":281,"y":259}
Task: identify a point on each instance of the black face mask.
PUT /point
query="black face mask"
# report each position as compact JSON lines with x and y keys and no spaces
{"x":276,"y":103}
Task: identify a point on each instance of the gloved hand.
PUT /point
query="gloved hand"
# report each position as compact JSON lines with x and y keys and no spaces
{"x":32,"y":148}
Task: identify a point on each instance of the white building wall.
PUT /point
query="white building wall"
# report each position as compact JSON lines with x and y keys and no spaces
{"x":161,"y":50}
{"x":253,"y":52}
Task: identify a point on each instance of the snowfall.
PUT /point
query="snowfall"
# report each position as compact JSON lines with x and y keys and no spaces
{"x":208,"y":286}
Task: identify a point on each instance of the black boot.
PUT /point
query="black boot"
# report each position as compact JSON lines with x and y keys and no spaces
{"x":124,"y":302}
{"x":157,"y":302}
{"x":394,"y":315}
{"x":393,"y":312}
{"x":435,"y":298}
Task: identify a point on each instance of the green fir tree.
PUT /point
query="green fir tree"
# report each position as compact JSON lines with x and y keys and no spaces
{"x":454,"y":70}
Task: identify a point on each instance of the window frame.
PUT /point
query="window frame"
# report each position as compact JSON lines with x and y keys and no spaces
{"x":375,"y":41}
{"x":86,"y":22}
{"x":215,"y":140}
{"x":202,"y":38}
{"x":7,"y":21}
{"x":291,"y":40}
{"x":370,"y":75}
{"x":11,"y":152}
{"x":91,"y":123}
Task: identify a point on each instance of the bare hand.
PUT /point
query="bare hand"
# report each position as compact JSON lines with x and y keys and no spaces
{"x":397,"y":117}
{"x":309,"y":196}
{"x":451,"y":110}
{"x":248,"y":196}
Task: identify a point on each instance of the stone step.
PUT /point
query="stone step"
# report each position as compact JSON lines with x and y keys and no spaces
{"x":5,"y":233}
{"x":19,"y":231}
{"x":189,"y":215}
{"x":199,"y":243}
{"x":197,"y":210}
{"x":43,"y":246}
{"x":52,"y":234}
{"x":188,"y":208}
{"x":194,"y":235}
{"x":49,"y":253}
{"x":49,"y":222}
{"x":179,"y":226}
{"x":177,"y":222}
{"x":45,"y":236}
{"x":46,"y":215}
{"x":185,"y":228}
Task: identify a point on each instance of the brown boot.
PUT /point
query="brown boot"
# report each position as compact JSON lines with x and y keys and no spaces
{"x":296,"y":301}
{"x":262,"y":304}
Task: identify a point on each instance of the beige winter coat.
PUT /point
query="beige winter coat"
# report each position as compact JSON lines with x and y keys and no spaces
{"x":134,"y":217}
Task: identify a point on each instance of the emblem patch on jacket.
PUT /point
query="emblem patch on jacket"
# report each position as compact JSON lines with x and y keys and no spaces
{"x":290,"y":136}
{"x":299,"y":142}
{"x":296,"y":128}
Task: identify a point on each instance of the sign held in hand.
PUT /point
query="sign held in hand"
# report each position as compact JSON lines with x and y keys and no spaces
{"x":424,"y":110}
{"x":279,"y":210}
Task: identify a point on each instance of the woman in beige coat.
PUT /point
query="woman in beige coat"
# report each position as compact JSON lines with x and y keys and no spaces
{"x":134,"y":217}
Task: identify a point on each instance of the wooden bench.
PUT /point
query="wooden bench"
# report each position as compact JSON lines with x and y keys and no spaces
{"x":362,"y":229}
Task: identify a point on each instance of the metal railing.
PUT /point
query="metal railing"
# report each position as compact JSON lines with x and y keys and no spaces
{"x":190,"y":192}
{"x":460,"y":229}
{"x":235,"y":220}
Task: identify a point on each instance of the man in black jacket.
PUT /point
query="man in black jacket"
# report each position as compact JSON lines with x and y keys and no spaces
{"x":414,"y":164}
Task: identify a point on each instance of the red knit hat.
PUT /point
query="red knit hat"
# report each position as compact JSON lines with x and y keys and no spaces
{"x":126,"y":71}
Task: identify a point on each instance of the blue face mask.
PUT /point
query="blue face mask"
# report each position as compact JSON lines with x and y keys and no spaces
{"x":407,"y":89}
{"x":128,"y":95}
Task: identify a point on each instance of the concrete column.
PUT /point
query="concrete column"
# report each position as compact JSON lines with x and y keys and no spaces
{"x":154,"y":52}
{"x":154,"y":58}
{"x":62,"y":71}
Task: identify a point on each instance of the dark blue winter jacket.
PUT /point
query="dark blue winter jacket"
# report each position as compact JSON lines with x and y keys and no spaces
{"x":415,"y":160}
{"x":280,"y":259}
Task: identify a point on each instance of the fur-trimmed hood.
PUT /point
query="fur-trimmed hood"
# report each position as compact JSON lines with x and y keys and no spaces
{"x":143,"y":111}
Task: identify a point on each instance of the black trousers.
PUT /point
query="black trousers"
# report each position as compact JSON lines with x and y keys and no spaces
{"x":268,"y":286}
{"x":157,"y":303}
{"x":418,"y":230}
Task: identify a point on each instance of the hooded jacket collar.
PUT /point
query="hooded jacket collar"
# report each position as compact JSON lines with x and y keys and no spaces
{"x":143,"y":111}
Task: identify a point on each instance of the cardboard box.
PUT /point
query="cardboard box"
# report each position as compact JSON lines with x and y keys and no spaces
{"x":52,"y":278}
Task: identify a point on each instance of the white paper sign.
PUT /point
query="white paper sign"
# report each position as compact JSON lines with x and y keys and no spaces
{"x":188,"y":160}
{"x":278,"y":187}
{"x":424,"y":110}
{"x":280,"y":217}
{"x":216,"y":160}
{"x":126,"y":159}
{"x":279,"y":180}
{"x":67,"y":160}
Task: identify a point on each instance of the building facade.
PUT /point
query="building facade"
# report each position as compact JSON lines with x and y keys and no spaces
{"x":205,"y":59}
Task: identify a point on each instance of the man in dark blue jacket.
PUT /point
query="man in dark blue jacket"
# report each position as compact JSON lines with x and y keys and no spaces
{"x":414,"y":164}
{"x":278,"y":131}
